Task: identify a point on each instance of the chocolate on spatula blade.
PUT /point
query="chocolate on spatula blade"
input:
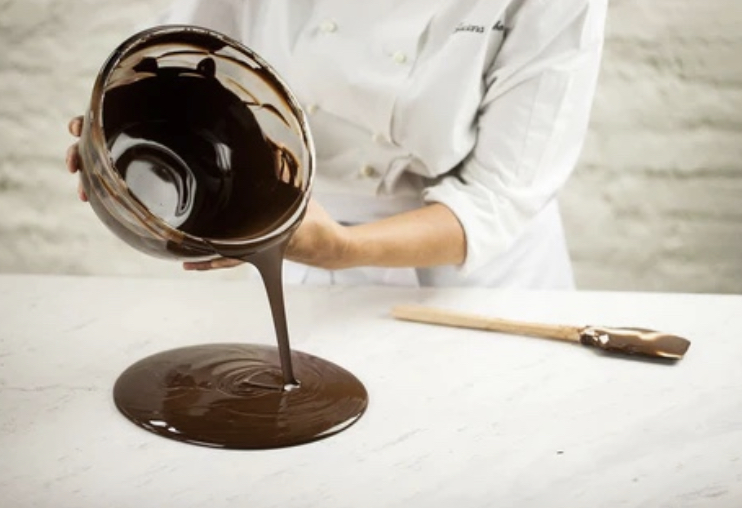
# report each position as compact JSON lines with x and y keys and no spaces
{"x":635,"y":341}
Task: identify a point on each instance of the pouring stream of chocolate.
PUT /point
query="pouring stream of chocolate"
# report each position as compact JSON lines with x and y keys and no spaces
{"x":193,"y":154}
{"x":204,"y":172}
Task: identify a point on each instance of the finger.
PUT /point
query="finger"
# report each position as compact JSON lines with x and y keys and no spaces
{"x":81,"y":192}
{"x":213,"y":264}
{"x":210,"y":265}
{"x":75,"y":126}
{"x":72,"y":159}
{"x":224,"y":263}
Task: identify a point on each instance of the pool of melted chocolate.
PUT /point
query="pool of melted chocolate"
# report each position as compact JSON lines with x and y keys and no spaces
{"x":232,"y":396}
{"x":194,"y":155}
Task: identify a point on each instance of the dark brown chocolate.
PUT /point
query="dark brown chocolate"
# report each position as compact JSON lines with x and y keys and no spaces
{"x":194,"y":155}
{"x":232,"y":396}
{"x":635,"y":341}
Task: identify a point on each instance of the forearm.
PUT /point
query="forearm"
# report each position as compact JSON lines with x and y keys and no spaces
{"x":424,"y":237}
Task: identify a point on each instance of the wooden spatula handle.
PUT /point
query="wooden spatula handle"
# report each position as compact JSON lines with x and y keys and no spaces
{"x":430,"y":315}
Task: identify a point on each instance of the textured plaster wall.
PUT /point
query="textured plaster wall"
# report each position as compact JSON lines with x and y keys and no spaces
{"x":653,"y":205}
{"x":656,"y":203}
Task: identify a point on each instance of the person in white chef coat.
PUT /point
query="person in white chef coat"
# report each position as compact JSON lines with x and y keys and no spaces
{"x":444,"y":130}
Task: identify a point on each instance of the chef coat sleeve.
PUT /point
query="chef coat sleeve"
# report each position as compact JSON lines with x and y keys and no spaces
{"x":531,"y":124}
{"x":220,"y":15}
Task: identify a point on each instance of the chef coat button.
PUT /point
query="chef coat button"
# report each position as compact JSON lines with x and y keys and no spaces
{"x":328,"y":26}
{"x":399,"y":57}
{"x":368,"y":171}
{"x":312,"y":108}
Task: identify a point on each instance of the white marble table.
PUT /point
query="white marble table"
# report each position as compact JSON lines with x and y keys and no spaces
{"x":457,"y":418}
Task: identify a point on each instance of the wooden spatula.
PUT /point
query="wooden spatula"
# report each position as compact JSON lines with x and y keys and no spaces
{"x":631,"y":341}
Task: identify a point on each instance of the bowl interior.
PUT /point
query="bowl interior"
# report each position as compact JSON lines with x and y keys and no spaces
{"x":205,"y":137}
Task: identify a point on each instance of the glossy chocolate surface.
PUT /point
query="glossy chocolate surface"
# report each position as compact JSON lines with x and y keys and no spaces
{"x":232,"y":396}
{"x":190,"y":172}
{"x":193,"y":154}
{"x":635,"y":341}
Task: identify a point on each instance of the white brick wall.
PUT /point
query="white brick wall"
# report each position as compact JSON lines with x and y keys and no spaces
{"x":654,"y":205}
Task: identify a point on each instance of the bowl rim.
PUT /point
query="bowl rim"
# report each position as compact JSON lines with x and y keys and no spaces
{"x":113,"y":180}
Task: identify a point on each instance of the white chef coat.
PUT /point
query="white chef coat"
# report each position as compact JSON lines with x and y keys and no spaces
{"x":481,"y":105}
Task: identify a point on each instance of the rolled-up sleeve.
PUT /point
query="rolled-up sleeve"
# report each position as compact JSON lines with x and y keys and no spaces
{"x":531,"y":125}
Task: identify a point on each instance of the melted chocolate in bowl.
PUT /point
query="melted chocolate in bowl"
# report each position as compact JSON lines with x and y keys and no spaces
{"x":192,"y":164}
{"x":195,"y":157}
